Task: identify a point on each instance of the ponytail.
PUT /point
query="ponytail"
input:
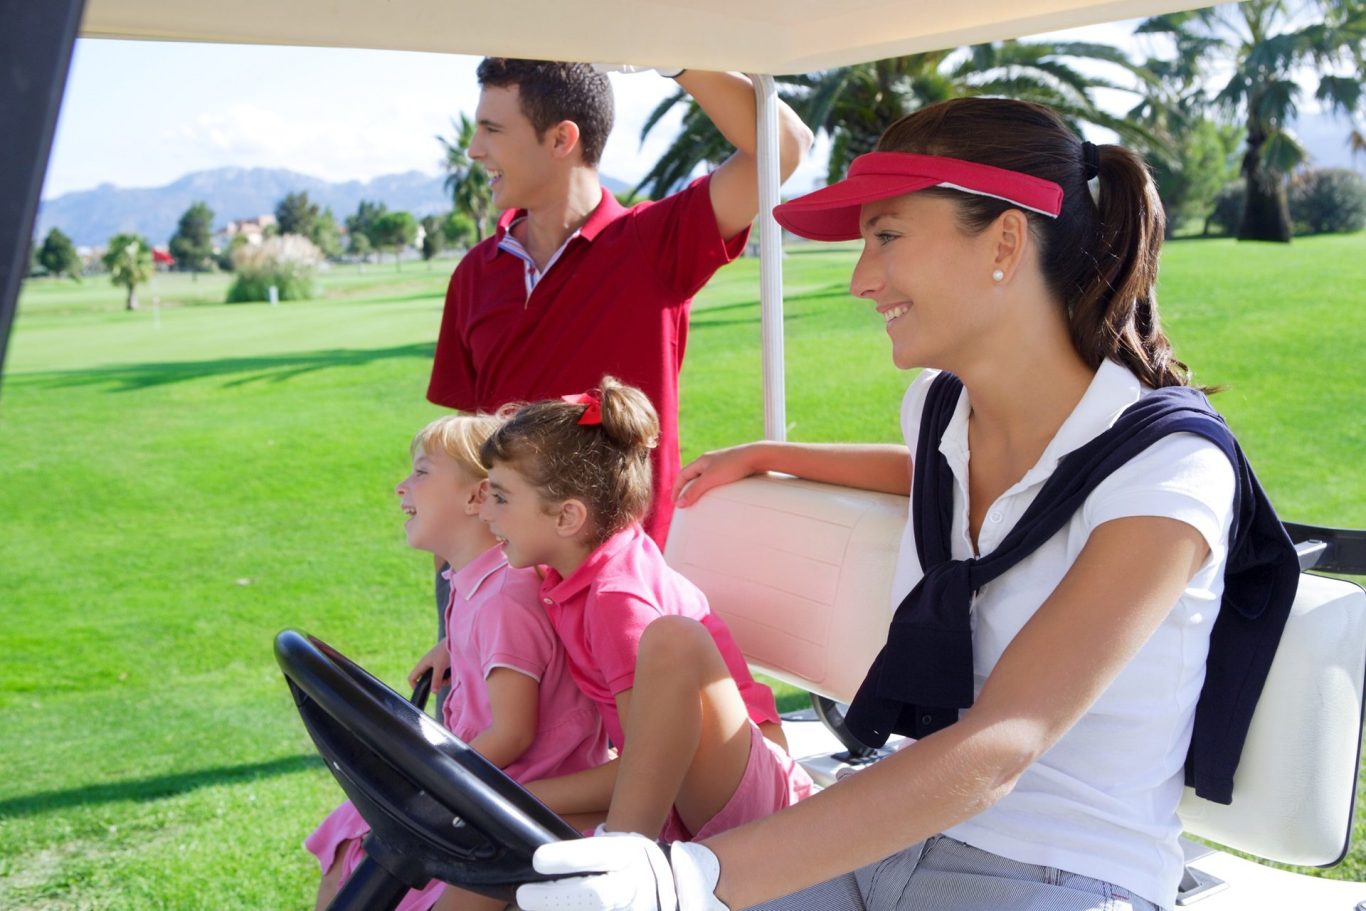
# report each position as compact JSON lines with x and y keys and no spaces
{"x":628,"y":418}
{"x":1113,"y":313}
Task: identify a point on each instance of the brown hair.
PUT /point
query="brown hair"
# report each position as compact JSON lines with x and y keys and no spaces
{"x":606,"y":466}
{"x":1099,"y":259}
{"x":550,"y":92}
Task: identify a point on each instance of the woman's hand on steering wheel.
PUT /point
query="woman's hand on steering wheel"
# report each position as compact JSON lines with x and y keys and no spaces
{"x":619,"y":871}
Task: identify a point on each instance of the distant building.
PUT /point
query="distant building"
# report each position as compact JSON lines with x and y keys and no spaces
{"x":253,"y":229}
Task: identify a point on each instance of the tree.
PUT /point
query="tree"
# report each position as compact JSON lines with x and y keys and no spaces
{"x":466,"y":181}
{"x":854,"y":104}
{"x":129,"y":261}
{"x":394,"y":231}
{"x":362,"y":224}
{"x":1202,"y":159}
{"x":432,"y":238}
{"x":326,"y":235}
{"x":359,"y":245}
{"x":296,"y":215}
{"x":192,"y":243}
{"x":58,"y":255}
{"x":1195,"y":153}
{"x":458,"y":230}
{"x":1264,"y":45}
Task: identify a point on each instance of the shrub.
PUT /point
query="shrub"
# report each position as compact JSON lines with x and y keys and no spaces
{"x":287,"y":262}
{"x":1227,"y":210}
{"x":1328,"y":200}
{"x":228,"y":253}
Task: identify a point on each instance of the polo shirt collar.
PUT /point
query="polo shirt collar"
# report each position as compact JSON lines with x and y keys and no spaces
{"x":1113,"y":389}
{"x":607,"y":211}
{"x":476,"y":572}
{"x":561,"y":589}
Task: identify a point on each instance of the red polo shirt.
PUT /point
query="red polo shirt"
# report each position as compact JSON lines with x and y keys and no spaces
{"x":615,"y":302}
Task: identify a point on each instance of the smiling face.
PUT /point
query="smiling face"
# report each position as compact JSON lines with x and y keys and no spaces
{"x":517,"y":515}
{"x":930,"y":281}
{"x":440,"y":499}
{"x":521,"y":165}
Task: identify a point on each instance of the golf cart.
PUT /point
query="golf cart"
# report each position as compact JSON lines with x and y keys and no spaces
{"x":800,"y":571}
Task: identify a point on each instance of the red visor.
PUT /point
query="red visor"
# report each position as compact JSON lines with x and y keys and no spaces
{"x":832,"y":213}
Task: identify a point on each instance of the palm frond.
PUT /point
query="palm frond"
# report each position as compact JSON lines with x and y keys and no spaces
{"x":1282,"y":152}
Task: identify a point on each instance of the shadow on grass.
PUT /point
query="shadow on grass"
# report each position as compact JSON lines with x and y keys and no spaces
{"x":362,"y":296}
{"x":272,"y":368}
{"x":156,"y":788}
{"x":702,"y":316}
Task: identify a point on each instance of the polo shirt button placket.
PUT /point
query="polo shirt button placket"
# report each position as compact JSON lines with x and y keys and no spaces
{"x":548,"y":600}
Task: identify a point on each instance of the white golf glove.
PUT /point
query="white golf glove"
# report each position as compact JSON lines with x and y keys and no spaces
{"x":667,"y":72}
{"x":624,"y":872}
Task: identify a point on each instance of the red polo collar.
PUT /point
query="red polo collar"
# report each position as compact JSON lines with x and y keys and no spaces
{"x":607,"y":211}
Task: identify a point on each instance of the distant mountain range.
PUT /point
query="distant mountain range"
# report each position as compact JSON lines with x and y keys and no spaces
{"x":91,"y":217}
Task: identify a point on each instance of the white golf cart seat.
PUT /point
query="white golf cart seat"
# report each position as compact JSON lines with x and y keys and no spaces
{"x":802,"y":574}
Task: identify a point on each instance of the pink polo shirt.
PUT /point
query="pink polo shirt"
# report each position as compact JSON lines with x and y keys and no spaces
{"x":493,"y":620}
{"x":602,"y":609}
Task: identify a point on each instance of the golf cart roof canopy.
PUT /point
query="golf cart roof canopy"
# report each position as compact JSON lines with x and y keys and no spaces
{"x":757,"y":36}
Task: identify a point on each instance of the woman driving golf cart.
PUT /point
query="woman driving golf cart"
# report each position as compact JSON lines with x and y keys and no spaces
{"x":1080,"y":519}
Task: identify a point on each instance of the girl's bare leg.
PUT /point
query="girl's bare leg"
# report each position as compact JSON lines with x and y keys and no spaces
{"x":688,"y":731}
{"x":331,"y":883}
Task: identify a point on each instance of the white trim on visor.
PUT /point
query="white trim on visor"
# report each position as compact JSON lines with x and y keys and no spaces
{"x":1013,"y":202}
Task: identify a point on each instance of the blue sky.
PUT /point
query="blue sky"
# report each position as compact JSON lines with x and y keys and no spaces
{"x":145,"y":113}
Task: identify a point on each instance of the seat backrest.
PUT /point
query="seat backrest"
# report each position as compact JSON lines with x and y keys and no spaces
{"x":1294,"y":790}
{"x":802,"y":574}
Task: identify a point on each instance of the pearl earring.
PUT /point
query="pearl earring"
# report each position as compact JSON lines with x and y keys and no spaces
{"x":997,"y":275}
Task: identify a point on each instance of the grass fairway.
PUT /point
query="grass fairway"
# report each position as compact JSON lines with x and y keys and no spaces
{"x":177,"y":486}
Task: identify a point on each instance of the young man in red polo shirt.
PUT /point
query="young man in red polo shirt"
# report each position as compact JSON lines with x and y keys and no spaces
{"x":573,"y":285}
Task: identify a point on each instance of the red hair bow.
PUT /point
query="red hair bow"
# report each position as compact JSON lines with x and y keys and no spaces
{"x":592,"y":412}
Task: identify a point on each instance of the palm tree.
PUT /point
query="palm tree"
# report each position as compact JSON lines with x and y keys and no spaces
{"x":467,"y":183}
{"x":1267,"y":43}
{"x":853,"y":104}
{"x":1195,"y":151}
{"x":129,"y":261}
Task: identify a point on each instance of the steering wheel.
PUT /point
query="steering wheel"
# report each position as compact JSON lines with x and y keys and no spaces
{"x":436,"y":808}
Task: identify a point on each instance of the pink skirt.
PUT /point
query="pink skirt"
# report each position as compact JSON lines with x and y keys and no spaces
{"x":345,"y":826}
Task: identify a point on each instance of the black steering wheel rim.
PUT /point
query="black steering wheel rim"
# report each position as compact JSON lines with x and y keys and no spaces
{"x":366,"y":732}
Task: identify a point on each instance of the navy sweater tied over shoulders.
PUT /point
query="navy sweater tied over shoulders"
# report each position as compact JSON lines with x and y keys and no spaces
{"x":924,"y":675}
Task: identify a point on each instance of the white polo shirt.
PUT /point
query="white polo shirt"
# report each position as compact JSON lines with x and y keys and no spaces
{"x":1102,"y":802}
